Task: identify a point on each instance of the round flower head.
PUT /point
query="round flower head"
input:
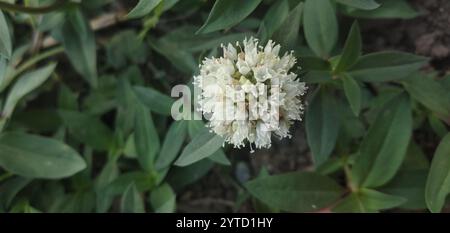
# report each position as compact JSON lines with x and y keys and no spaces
{"x":250,"y":93}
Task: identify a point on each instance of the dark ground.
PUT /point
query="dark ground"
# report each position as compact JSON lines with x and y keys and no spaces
{"x":427,"y":35}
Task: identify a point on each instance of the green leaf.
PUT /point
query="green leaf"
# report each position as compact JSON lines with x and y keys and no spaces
{"x":87,"y":129}
{"x":274,"y":19}
{"x":385,"y":66}
{"x":320,"y":26}
{"x":202,"y":145}
{"x":430,"y":93}
{"x":353,"y":93}
{"x":220,"y":157}
{"x":154,"y":100}
{"x":3,"y":68}
{"x":38,"y":157}
{"x":367,"y":200}
{"x":398,"y":9}
{"x":143,"y":181}
{"x":143,"y":8}
{"x":132,"y":201}
{"x":183,"y":60}
{"x":331,"y":166}
{"x":146,"y":138}
{"x":287,"y":34}
{"x":384,"y":147}
{"x":67,"y":99}
{"x":438,"y":127}
{"x":124,"y":48}
{"x":127,"y":102}
{"x":410,"y":180}
{"x":352,"y":49}
{"x":227,"y":13}
{"x":79,"y":202}
{"x":163,"y":199}
{"x":314,"y":63}
{"x":10,"y":189}
{"x":360,"y":4}
{"x":172,"y":144}
{"x":409,"y":184}
{"x":438,"y":181}
{"x":317,"y":69}
{"x":26,"y":83}
{"x":322,"y":125}
{"x":195,"y":127}
{"x":296,"y":191}
{"x":50,"y":21}
{"x":180,"y":177}
{"x":79,"y":43}
{"x":5,"y":38}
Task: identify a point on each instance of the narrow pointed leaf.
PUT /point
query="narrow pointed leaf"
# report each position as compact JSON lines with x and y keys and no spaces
{"x":5,"y":38}
{"x":202,"y":145}
{"x":438,"y":181}
{"x":143,"y":8}
{"x":38,"y":157}
{"x":26,"y":83}
{"x":173,"y":141}
{"x":320,"y":26}
{"x":353,"y":93}
{"x":79,"y":43}
{"x":368,"y":201}
{"x":385,"y":66}
{"x":322,"y":125}
{"x":146,"y":138}
{"x":132,"y":201}
{"x":295,"y":191}
{"x":227,"y":13}
{"x":352,"y":49}
{"x":384,"y":147}
{"x":360,"y":4}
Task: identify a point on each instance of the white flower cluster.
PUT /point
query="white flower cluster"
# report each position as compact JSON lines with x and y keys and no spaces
{"x":250,"y":93}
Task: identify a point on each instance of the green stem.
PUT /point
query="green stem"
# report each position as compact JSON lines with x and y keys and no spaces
{"x":348,"y":176}
{"x":58,"y":4}
{"x":26,"y":65}
{"x":29,"y":63}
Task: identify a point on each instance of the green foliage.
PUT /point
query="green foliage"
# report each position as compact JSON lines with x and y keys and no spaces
{"x":287,"y":33}
{"x":26,"y":83}
{"x":146,"y":139}
{"x":360,"y":4}
{"x":162,"y":199}
{"x":367,"y":201}
{"x":352,"y":49}
{"x":95,"y":133}
{"x":143,"y":8}
{"x":388,"y":9}
{"x":385,"y":66}
{"x":227,"y":13}
{"x":438,"y":185}
{"x":296,"y":192}
{"x":5,"y":38}
{"x":320,"y":26}
{"x":384,"y":147}
{"x":79,"y":43}
{"x":87,"y":129}
{"x":322,"y":128}
{"x":38,"y":157}
{"x":353,"y":93}
{"x":131,"y":201}
{"x":204,"y":144}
